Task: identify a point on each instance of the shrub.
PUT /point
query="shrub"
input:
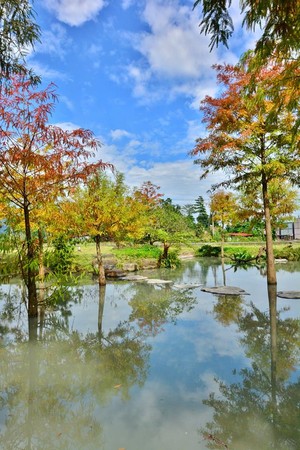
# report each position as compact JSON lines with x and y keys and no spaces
{"x":288,"y":252}
{"x":60,"y":260}
{"x":209,"y":251}
{"x":171,"y":262}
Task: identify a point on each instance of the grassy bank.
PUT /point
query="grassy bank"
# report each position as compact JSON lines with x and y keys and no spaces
{"x":289,"y":251}
{"x":86,"y":254}
{"x":84,"y":257}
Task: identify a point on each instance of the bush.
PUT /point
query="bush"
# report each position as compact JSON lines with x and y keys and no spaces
{"x":288,"y":252}
{"x":60,"y":260}
{"x":209,"y":251}
{"x":9,"y":265}
{"x":171,"y":262}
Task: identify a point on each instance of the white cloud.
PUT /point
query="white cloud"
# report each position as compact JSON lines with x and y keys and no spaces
{"x":174,"y":57}
{"x":127,"y":3}
{"x":179,"y":180}
{"x":140,"y":77}
{"x":75,"y":12}
{"x":46,"y":72}
{"x":175,"y":60}
{"x":119,"y":134}
{"x":173,"y":47}
{"x":54,"y":41}
{"x":66,"y":101}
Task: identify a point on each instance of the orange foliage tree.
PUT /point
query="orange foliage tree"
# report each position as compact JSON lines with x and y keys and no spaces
{"x":38,"y":161}
{"x":249,"y":145}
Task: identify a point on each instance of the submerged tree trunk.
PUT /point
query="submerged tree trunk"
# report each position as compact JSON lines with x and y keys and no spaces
{"x":101,"y":270}
{"x":223,"y":256}
{"x":271,"y":270}
{"x":102,"y":290}
{"x":30,"y":271}
{"x":272,"y":294}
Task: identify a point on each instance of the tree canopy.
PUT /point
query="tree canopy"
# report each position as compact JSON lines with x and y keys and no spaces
{"x":18,"y":33}
{"x":248,"y":144}
{"x":38,"y":161}
{"x":278,"y":19}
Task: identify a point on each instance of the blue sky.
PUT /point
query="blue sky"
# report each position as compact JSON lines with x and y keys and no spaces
{"x":134,"y":72}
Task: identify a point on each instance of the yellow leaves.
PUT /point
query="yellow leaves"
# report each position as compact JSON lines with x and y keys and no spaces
{"x":274,"y":168}
{"x":223,"y":207}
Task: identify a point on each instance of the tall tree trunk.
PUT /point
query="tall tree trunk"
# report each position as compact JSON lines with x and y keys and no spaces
{"x":101,"y":270}
{"x":271,"y":270}
{"x":222,"y":243}
{"x":41,"y":256}
{"x":165,"y":251}
{"x":30,"y":269}
{"x":164,"y":254}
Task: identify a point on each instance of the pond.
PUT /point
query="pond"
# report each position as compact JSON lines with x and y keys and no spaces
{"x":141,"y":366}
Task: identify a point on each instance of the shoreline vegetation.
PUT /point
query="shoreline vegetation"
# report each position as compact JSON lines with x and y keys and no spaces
{"x":140,"y":257}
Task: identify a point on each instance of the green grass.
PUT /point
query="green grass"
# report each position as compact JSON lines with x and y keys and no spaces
{"x":137,"y":252}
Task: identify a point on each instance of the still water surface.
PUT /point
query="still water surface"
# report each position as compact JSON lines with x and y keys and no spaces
{"x":146,"y":367}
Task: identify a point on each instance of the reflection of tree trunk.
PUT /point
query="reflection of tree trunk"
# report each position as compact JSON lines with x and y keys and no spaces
{"x":272,"y":293}
{"x":102,"y":290}
{"x":271,"y":271}
{"x":32,"y":381}
{"x":214,"y":271}
{"x":101,"y":270}
{"x":41,"y":309}
{"x":222,"y":254}
{"x":30,"y":270}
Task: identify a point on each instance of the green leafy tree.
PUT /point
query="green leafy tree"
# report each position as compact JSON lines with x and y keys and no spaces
{"x":105,"y":208}
{"x":202,"y":217}
{"x":168,"y":226}
{"x":251,"y":147}
{"x":279,"y":20}
{"x":18,"y":32}
{"x":283,"y":203}
{"x":188,"y":212}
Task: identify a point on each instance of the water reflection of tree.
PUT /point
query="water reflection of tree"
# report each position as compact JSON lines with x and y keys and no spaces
{"x":54,"y":382}
{"x":153,"y":308}
{"x":67,"y":376}
{"x":262,"y":410}
{"x":228,"y":309}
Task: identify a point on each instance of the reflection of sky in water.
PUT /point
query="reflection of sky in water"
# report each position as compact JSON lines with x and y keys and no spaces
{"x":166,"y":412}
